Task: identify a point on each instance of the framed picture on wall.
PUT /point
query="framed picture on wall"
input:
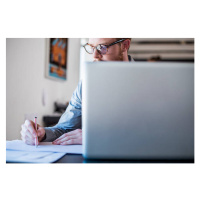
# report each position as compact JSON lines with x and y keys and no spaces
{"x":56,"y":59}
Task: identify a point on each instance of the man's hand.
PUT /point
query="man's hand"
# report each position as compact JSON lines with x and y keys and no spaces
{"x":72,"y":137}
{"x":28,"y":132}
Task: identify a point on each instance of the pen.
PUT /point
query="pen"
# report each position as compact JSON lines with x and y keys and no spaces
{"x":36,"y":138}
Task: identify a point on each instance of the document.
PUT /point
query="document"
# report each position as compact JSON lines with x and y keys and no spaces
{"x":45,"y":152}
{"x":43,"y":147}
{"x":32,"y":157}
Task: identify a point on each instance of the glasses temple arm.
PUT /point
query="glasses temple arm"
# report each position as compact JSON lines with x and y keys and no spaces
{"x":115,"y":42}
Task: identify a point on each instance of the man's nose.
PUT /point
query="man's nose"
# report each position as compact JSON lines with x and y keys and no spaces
{"x":96,"y":54}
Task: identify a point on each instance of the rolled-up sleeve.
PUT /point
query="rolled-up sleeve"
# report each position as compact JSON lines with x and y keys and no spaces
{"x":70,"y":120}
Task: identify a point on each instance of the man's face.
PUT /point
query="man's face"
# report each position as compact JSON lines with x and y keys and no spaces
{"x":114,"y":52}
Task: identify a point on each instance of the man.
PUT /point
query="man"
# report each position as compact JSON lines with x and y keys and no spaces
{"x":68,"y":130}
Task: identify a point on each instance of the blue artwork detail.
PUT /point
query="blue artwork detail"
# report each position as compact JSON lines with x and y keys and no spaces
{"x":64,"y":45}
{"x":55,"y":41}
{"x":55,"y":75}
{"x":60,"y":43}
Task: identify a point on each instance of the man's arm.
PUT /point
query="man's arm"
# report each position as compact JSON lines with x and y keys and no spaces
{"x":70,"y":120}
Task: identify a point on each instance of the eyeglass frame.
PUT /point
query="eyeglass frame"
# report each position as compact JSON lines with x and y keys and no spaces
{"x":116,"y":42}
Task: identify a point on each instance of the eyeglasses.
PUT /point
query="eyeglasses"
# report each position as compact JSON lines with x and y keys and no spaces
{"x":101,"y":49}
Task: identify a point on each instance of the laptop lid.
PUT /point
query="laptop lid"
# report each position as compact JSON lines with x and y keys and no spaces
{"x":138,"y":110}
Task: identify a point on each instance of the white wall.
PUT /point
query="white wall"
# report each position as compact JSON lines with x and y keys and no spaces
{"x":25,"y":81}
{"x":84,"y":57}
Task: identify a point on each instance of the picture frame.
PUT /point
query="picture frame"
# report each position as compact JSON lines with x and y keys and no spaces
{"x":56,"y":58}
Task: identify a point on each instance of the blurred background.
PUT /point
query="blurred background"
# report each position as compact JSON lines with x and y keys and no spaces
{"x":163,"y":49}
{"x":30,"y":92}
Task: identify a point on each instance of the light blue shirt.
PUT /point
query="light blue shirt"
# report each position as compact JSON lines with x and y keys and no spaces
{"x":71,"y":119}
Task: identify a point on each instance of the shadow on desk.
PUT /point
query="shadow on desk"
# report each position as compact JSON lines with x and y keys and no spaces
{"x":75,"y":158}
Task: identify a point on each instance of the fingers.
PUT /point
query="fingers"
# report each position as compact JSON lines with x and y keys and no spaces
{"x":31,"y":127}
{"x":66,"y":138}
{"x":71,"y":133}
{"x":73,"y":137}
{"x":28,"y":132}
{"x":25,"y":133}
{"x":72,"y":141}
{"x":61,"y":137}
{"x":27,"y":140}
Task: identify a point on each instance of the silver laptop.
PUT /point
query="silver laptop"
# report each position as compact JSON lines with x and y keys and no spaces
{"x":138,"y":110}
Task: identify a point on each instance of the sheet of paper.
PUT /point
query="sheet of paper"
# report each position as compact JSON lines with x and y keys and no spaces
{"x":43,"y":146}
{"x":32,"y":157}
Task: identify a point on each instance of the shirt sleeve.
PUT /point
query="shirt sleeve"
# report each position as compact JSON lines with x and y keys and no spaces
{"x":70,"y":120}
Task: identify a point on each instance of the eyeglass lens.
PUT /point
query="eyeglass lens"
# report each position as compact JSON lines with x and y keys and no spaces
{"x":100,"y":48}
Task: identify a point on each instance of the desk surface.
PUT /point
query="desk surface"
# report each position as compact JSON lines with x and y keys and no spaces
{"x":75,"y":158}
{"x":78,"y":158}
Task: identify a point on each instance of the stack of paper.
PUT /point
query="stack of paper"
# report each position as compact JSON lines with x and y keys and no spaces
{"x":46,"y":152}
{"x":32,"y":157}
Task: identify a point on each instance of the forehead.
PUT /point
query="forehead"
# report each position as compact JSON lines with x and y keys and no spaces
{"x":96,"y":41}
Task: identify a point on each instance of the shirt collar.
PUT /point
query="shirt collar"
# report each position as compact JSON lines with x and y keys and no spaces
{"x":129,"y":58}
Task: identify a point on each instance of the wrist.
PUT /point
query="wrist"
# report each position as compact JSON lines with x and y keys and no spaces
{"x":43,"y":137}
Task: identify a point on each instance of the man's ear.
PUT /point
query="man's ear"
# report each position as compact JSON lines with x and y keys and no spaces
{"x":126,"y":45}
